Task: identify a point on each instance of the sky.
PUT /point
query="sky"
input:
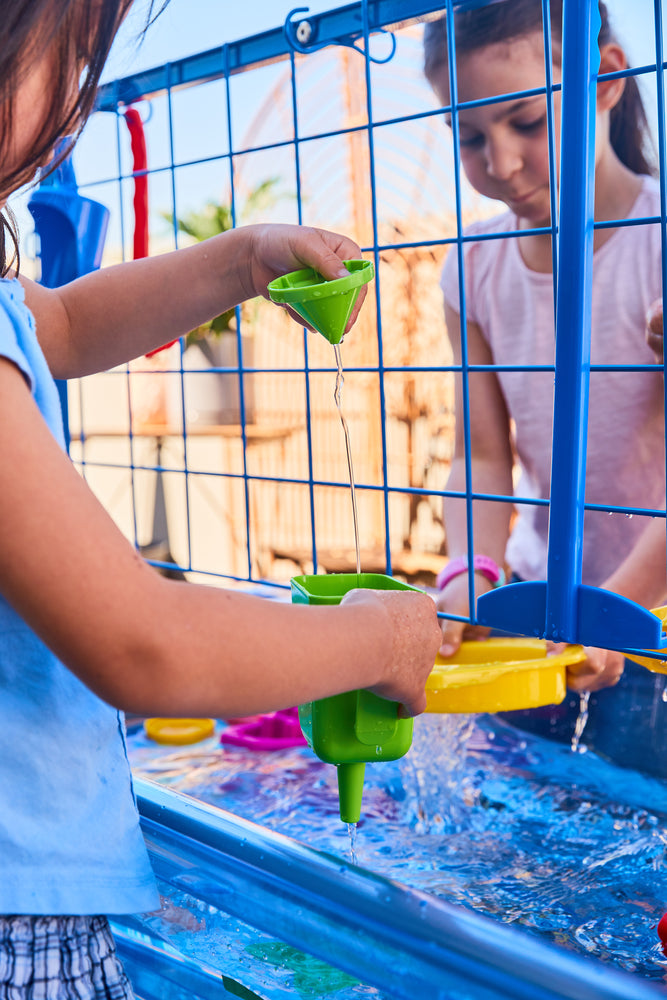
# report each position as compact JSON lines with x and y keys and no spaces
{"x":189,"y":26}
{"x":186,"y":27}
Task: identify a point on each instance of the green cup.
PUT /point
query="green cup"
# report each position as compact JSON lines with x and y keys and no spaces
{"x":356,"y":728}
{"x":324,"y":305}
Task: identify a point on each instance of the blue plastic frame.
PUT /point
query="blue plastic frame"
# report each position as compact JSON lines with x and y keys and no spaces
{"x":408,"y":944}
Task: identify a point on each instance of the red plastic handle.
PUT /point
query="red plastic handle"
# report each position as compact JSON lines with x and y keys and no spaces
{"x":140,"y":202}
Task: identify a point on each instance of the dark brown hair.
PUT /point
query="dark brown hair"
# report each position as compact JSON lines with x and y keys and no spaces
{"x":509,"y":19}
{"x":78,"y":34}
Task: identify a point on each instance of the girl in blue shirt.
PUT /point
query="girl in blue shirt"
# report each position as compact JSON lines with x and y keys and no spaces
{"x":86,"y":627}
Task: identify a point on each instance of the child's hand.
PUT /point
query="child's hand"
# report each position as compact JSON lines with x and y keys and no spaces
{"x":602,"y":668}
{"x":413,"y":626}
{"x":654,"y":335}
{"x":454,"y":600}
{"x":179,"y":916}
{"x":279,"y":249}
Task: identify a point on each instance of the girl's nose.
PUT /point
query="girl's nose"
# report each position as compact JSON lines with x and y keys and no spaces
{"x":503,"y":160}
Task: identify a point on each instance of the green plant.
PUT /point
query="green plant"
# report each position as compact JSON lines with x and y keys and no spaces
{"x":212,"y":220}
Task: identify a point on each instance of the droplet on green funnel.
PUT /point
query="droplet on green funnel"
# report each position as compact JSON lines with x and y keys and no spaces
{"x":350,"y":791}
{"x":324,"y":305}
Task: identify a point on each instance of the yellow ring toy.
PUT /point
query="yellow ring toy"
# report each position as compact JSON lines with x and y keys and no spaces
{"x":499,"y":675}
{"x":179,"y":732}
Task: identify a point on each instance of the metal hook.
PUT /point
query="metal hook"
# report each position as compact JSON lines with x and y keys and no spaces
{"x":141,"y":103}
{"x":301,"y":36}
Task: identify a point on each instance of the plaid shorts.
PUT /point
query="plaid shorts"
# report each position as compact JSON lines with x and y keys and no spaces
{"x":60,"y":958}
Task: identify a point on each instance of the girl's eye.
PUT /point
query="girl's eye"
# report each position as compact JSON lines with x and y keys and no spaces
{"x":531,"y":126}
{"x":471,"y":141}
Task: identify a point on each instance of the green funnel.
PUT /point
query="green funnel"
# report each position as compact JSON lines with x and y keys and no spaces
{"x":324,"y":305}
{"x":356,"y":728}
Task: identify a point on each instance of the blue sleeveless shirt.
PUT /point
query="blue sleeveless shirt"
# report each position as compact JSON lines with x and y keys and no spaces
{"x":70,"y":841}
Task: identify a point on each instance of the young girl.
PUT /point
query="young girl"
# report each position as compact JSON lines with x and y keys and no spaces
{"x":86,"y":627}
{"x":510,"y":321}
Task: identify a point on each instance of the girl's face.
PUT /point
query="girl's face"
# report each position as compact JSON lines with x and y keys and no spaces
{"x":504,"y":146}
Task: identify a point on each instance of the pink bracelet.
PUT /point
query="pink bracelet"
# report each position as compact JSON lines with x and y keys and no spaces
{"x":485,"y":565}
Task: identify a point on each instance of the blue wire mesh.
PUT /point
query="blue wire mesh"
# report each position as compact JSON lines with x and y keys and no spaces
{"x":234,"y":499}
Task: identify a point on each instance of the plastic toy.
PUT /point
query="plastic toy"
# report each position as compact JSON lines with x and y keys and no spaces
{"x":662,"y":933}
{"x":655,"y":666}
{"x":71,"y":230}
{"x":135,"y":127}
{"x":140,"y":240}
{"x":179,"y":731}
{"x":356,"y":728}
{"x":324,"y":305}
{"x":276,"y":731}
{"x":499,"y":675}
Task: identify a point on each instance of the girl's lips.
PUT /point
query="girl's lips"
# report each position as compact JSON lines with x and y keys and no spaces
{"x":518,"y":199}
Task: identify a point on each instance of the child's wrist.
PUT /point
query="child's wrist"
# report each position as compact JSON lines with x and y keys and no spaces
{"x":485,"y":565}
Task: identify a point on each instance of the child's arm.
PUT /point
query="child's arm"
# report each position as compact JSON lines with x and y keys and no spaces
{"x":654,"y":331}
{"x":110,"y":316}
{"x":156,"y":646}
{"x":491,"y":459}
{"x":641,"y":578}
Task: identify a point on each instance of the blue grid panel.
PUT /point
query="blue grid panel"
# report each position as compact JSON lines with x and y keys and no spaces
{"x":366,"y":31}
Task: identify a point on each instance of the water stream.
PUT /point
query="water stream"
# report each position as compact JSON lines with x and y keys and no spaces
{"x":352,"y":834}
{"x":579,"y":726}
{"x":337,"y":399}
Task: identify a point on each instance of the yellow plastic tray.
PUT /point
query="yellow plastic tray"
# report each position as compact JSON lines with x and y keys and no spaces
{"x":179,"y":731}
{"x":499,"y":675}
{"x":655,"y":666}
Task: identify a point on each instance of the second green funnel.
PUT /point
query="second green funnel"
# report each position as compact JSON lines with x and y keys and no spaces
{"x":324,"y":305}
{"x":356,"y":728}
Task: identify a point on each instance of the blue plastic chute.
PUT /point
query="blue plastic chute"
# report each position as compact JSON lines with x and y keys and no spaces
{"x":71,"y":228}
{"x":71,"y":232}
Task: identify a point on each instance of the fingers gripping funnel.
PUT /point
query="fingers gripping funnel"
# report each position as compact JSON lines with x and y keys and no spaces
{"x":324,"y":305}
{"x":356,"y":728}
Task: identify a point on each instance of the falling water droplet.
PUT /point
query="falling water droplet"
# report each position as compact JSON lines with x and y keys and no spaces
{"x":580,"y":724}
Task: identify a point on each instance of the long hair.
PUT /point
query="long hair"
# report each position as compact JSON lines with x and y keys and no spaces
{"x":76,"y":35}
{"x":629,"y":132}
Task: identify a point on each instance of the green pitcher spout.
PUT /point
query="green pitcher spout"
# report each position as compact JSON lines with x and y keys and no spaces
{"x":350,"y":791}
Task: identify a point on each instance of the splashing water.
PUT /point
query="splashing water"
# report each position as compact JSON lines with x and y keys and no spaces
{"x":566,"y":846}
